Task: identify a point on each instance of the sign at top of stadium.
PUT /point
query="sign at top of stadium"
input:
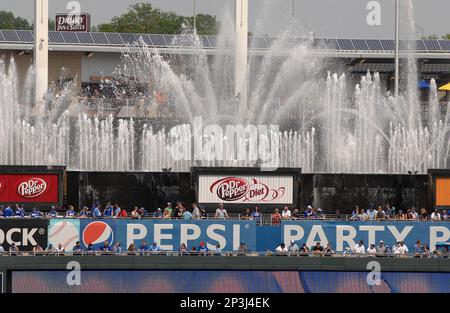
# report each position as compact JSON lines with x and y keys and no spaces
{"x":73,"y":22}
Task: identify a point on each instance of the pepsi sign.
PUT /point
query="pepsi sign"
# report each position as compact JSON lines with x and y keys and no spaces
{"x":169,"y":234}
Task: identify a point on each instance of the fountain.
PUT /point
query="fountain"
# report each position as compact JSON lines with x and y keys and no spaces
{"x":325,"y":124}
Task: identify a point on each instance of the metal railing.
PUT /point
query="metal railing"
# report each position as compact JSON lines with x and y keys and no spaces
{"x":339,"y":254}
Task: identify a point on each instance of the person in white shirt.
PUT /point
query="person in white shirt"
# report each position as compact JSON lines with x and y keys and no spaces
{"x":195,"y":212}
{"x":281,"y":249}
{"x":435,"y":216}
{"x":401,"y":249}
{"x":359,"y":248}
{"x":221,"y":213}
{"x":372,"y":250}
{"x":293,"y":247}
{"x":2,"y":250}
{"x":60,"y":249}
{"x":286,"y":214}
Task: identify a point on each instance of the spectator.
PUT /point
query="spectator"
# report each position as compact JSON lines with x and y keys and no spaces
{"x":84,"y":212}
{"x":203,"y":214}
{"x":247,"y":215}
{"x":195,"y":211}
{"x":304,"y":249}
{"x":381,"y":249}
{"x":135,"y":213}
{"x":217,"y":250}
{"x":309,"y":213}
{"x":256,"y":216}
{"x":359,"y":248}
{"x":35,"y":213}
{"x":50,"y":250}
{"x":276,"y":217}
{"x":2,"y":250}
{"x":96,"y":213}
{"x":77,"y":250}
{"x":296,"y":215}
{"x":105,"y":249}
{"x":143,"y":248}
{"x":186,"y":214}
{"x":414,"y":213}
{"x":371,"y":214}
{"x":167,"y":213}
{"x":362,"y":216}
{"x":53,"y":213}
{"x":8,"y":212}
{"x":90,"y":249}
{"x":183,"y":249}
{"x":157,"y":213}
{"x":435,"y":216}
{"x":293,"y":247}
{"x":109,"y":210}
{"x":242,"y":250}
{"x":20,"y":211}
{"x":328,"y":250}
{"x":371,"y":251}
{"x":70,"y":213}
{"x":401,"y":249}
{"x":221,"y":213}
{"x":37,"y":250}
{"x":317,"y":249}
{"x":286,"y":213}
{"x":131,"y":249}
{"x":117,"y":210}
{"x":418,"y":249}
{"x":203,"y":249}
{"x":281,"y":249}
{"x":179,"y":210}
{"x":154,"y":248}
{"x":338,"y":214}
{"x":61,"y":250}
{"x":117,"y":249}
{"x":381,"y":215}
{"x":401,"y":216}
{"x":122,"y":214}
{"x":444,"y":215}
{"x":355,"y":213}
{"x":423,"y":214}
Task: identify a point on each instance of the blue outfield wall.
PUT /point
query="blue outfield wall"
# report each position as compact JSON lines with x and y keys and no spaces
{"x":169,"y":234}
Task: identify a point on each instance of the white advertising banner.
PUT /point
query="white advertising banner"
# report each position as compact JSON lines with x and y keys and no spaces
{"x":256,"y":189}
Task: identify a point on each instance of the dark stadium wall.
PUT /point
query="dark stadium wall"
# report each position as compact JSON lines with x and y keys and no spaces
{"x":327,"y":191}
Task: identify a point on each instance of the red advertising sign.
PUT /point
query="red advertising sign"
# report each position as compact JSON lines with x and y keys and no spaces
{"x":29,"y":188}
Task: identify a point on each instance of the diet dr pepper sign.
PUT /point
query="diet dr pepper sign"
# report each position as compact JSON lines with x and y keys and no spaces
{"x":262,"y":189}
{"x":31,"y":188}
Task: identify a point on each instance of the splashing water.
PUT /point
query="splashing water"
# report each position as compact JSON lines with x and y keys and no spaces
{"x":326,"y":125}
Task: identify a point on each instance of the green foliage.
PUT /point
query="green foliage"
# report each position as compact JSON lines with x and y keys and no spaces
{"x":144,"y":18}
{"x":9,"y":21}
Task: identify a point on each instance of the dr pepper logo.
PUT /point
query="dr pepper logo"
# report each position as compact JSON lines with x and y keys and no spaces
{"x":235,"y":188}
{"x":31,"y":187}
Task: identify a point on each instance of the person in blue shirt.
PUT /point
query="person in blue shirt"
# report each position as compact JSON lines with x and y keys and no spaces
{"x":157,"y":213}
{"x":96,"y":212}
{"x":187,"y":215}
{"x":36,"y":213}
{"x":117,"y":210}
{"x":105,"y":248}
{"x":8,"y":212}
{"x":53,"y":213}
{"x":143,"y":248}
{"x":70,"y":212}
{"x":154,"y":247}
{"x":77,"y":250}
{"x":117,"y":249}
{"x":203,"y":248}
{"x":256,"y":214}
{"x":20,"y":211}
{"x":90,"y":249}
{"x":109,"y":210}
{"x":143,"y":212}
{"x":83,"y":212}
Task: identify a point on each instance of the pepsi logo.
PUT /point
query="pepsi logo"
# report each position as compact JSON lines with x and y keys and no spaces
{"x":230,"y":188}
{"x":97,"y":233}
{"x":31,"y":187}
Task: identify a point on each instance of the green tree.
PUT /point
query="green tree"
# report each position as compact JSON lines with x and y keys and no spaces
{"x":51,"y":25}
{"x":144,"y":18}
{"x":9,"y":21}
{"x":446,"y":36}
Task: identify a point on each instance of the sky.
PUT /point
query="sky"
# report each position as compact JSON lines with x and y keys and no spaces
{"x":325,"y":18}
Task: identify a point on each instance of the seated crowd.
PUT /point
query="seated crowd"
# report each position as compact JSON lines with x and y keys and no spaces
{"x":179,"y":211}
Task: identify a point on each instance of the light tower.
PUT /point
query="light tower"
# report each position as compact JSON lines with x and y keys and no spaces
{"x":40,"y":49}
{"x":241,"y":54}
